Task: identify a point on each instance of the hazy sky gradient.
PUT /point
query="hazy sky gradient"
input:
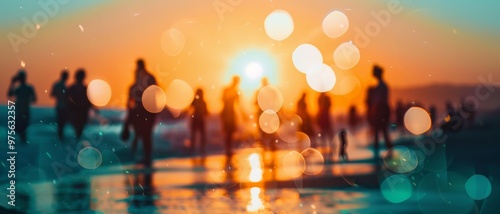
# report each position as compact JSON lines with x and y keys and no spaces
{"x":428,"y":42}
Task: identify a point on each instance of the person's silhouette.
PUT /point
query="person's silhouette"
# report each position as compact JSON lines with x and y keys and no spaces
{"x":59,"y":92}
{"x":230,"y":98}
{"x":306,"y":126}
{"x":343,"y":145}
{"x":379,"y":110}
{"x":267,"y":139}
{"x":433,"y":114}
{"x":78,"y":103}
{"x":138,"y":117}
{"x":323,"y":119}
{"x":200,"y":112}
{"x":400,"y":114}
{"x":24,"y":95}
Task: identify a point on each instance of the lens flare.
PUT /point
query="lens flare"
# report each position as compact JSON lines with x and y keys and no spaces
{"x":346,"y":56}
{"x":179,"y":94}
{"x":478,"y":187}
{"x":335,"y":24}
{"x":279,"y":25}
{"x":172,"y":42}
{"x":396,"y":188}
{"x":314,"y":161}
{"x":293,"y":164}
{"x":270,"y":98}
{"x":401,"y":159}
{"x":99,"y":92}
{"x":306,"y":56}
{"x":321,"y":78}
{"x":255,"y":168}
{"x":417,"y":120}
{"x":269,"y":121}
{"x":153,"y":99}
{"x":89,"y":158}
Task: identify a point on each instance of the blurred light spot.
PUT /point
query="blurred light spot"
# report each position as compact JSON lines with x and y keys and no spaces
{"x":417,"y":120}
{"x":23,"y":64}
{"x":287,"y":130}
{"x":270,"y":98}
{"x":403,"y":159}
{"x":172,"y":42}
{"x":99,"y":92}
{"x":255,"y":168}
{"x":396,"y":188}
{"x":81,"y":28}
{"x":179,"y":94}
{"x":321,"y":78}
{"x":253,"y":70}
{"x":335,"y":24}
{"x":279,"y":25}
{"x":478,"y":187}
{"x":346,"y":56}
{"x":255,"y":203}
{"x":306,"y":56}
{"x":89,"y":158}
{"x":153,"y":99}
{"x":293,"y":164}
{"x":269,"y":121}
{"x":314,"y":161}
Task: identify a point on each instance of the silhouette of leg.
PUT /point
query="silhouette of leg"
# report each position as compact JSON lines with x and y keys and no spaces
{"x":376,"y":144}
{"x":228,"y":147}
{"x":202,"y":145}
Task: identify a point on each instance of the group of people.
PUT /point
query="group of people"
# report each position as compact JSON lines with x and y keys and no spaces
{"x":73,"y":106}
{"x":72,"y":98}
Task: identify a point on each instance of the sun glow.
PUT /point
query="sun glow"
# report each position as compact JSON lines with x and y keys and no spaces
{"x":254,"y":70}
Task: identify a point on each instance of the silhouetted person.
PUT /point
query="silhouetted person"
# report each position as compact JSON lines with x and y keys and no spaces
{"x":267,"y":139}
{"x":343,"y":145}
{"x":378,"y":108}
{"x":24,"y":95}
{"x":230,"y":98}
{"x":452,"y":121}
{"x":307,"y":126}
{"x":78,"y":103}
{"x":323,"y":119}
{"x":200,"y":112}
{"x":59,"y":92}
{"x":400,"y":114}
{"x":138,"y":117}
{"x":353,"y":118}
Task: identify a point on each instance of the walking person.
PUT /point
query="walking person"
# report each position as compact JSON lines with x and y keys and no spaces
{"x":59,"y":92}
{"x":230,"y":98}
{"x":24,"y":95}
{"x":78,"y":103}
{"x":198,"y":118}
{"x":138,"y":117}
{"x":379,"y":110}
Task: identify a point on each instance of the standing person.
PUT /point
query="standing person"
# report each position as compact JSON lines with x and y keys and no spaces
{"x":343,"y":145}
{"x":138,"y":117}
{"x":433,"y":114}
{"x":200,"y":112}
{"x":78,"y":103}
{"x":306,"y":127}
{"x":230,"y":98}
{"x":58,"y":92}
{"x":400,"y":114}
{"x":24,"y":96}
{"x":378,"y":109}
{"x":323,"y":119}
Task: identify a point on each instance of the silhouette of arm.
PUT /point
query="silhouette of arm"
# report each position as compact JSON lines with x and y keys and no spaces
{"x":11,"y":90}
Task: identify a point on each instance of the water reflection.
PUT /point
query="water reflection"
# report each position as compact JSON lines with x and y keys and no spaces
{"x":142,"y":193}
{"x":72,"y":196}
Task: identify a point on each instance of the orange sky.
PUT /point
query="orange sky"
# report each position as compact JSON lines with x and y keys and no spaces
{"x":416,"y":48}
